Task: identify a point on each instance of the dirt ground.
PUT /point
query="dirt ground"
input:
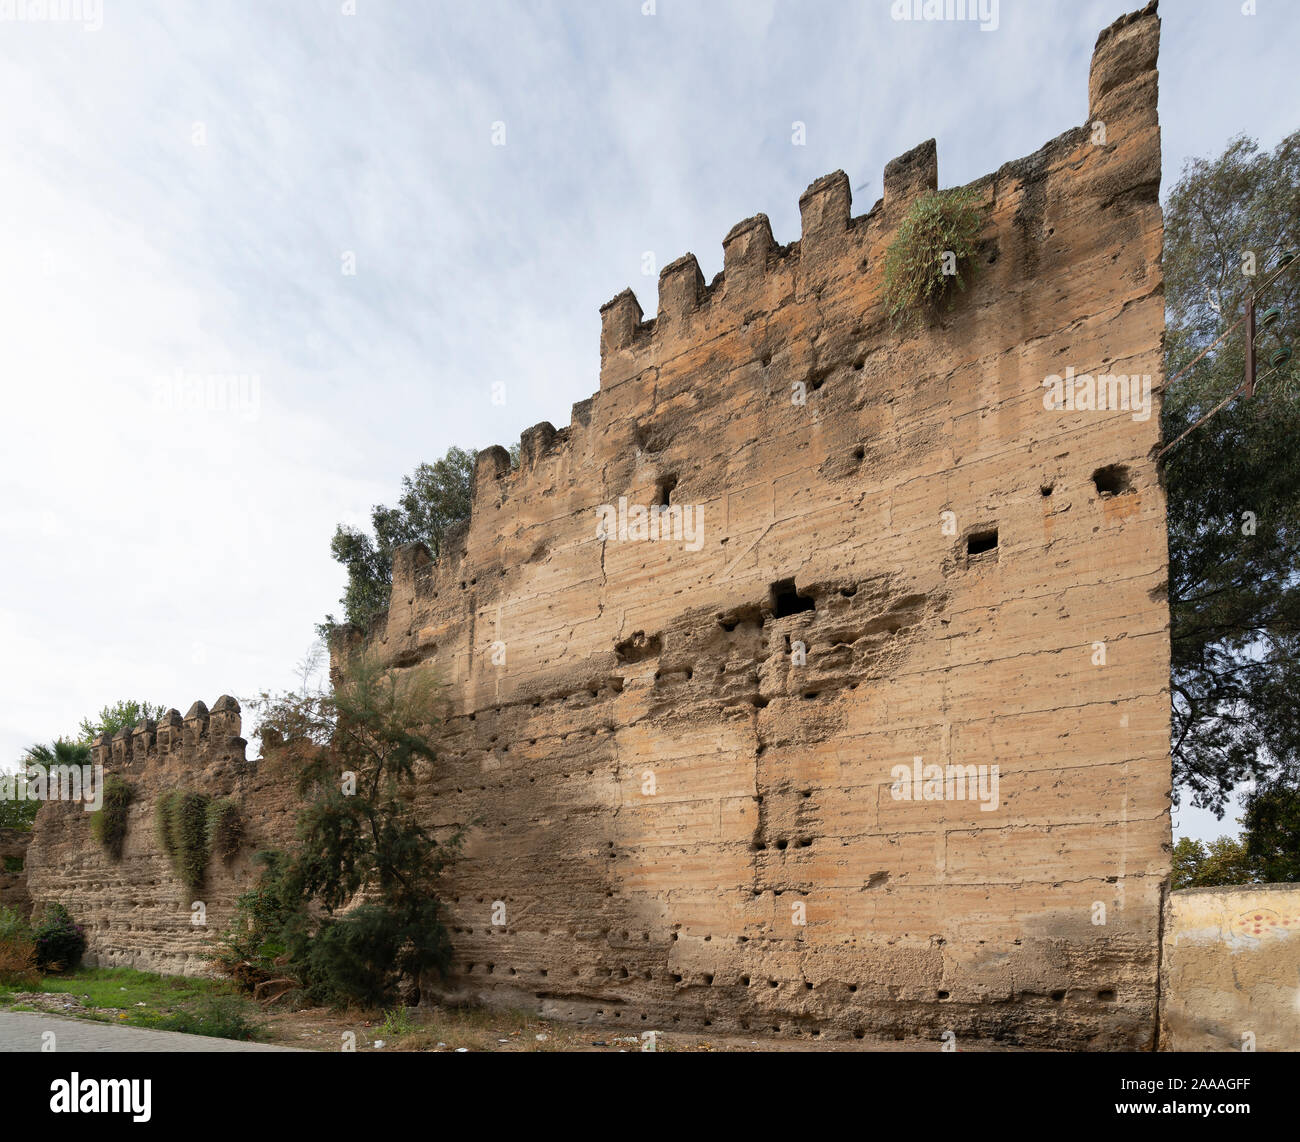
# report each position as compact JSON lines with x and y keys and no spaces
{"x":436,"y":1029}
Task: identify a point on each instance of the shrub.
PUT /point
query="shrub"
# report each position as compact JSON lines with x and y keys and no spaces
{"x":108,"y":824}
{"x":224,"y":829}
{"x":17,"y":949}
{"x":60,"y":943}
{"x":361,"y":957}
{"x":248,"y":950}
{"x":917,"y":273}
{"x":363,"y":843}
{"x":181,"y":820}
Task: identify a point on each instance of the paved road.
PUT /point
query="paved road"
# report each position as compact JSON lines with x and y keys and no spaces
{"x":24,"y":1031}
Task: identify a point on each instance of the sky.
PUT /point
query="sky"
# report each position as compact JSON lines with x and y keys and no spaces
{"x":263,"y":257}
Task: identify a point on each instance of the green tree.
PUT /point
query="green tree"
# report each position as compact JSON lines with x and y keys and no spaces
{"x":16,"y":814}
{"x":1234,"y":483}
{"x":1272,"y":832}
{"x":434,"y":497}
{"x":1223,"y":861}
{"x":356,"y":905}
{"x":120,"y":714}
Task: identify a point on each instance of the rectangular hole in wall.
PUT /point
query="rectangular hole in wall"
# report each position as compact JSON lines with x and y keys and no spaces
{"x":786,"y":600}
{"x":981,"y":542}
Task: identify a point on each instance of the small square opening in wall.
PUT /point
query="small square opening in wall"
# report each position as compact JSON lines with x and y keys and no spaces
{"x":664,"y":490}
{"x":1112,"y":480}
{"x":786,"y":600}
{"x":982,"y":542}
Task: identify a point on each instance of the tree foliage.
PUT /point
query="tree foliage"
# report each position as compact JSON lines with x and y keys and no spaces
{"x":121,"y":714}
{"x":1222,"y":861}
{"x":434,"y":497}
{"x":1234,"y":484}
{"x":1272,"y":833}
{"x":355,"y":909}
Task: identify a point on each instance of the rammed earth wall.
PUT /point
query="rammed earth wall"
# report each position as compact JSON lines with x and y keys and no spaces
{"x":135,"y":910}
{"x":690,"y":823}
{"x":692,"y":764}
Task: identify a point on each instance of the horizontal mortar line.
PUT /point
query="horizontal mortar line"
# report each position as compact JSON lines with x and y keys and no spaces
{"x":1083,"y":585}
{"x":1055,"y":650}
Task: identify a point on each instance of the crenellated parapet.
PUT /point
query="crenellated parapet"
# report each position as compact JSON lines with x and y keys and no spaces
{"x":742,"y":317}
{"x":202,"y":735}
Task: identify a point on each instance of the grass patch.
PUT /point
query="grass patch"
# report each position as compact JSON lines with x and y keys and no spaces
{"x":132,"y":998}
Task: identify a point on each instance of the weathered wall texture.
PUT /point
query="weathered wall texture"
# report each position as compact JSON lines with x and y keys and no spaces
{"x":135,"y":910}
{"x":13,"y":874}
{"x":663,"y":789}
{"x":580,"y":670}
{"x":1230,"y":971}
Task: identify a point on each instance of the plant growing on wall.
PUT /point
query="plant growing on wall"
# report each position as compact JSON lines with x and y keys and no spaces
{"x":934,"y":247}
{"x":224,"y":828}
{"x":108,"y":824}
{"x":434,"y":497}
{"x":181,"y":820}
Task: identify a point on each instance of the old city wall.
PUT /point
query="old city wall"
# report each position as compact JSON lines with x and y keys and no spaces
{"x":13,"y":873}
{"x":135,"y":909}
{"x":681,"y":819}
{"x":689,"y":824}
{"x":1230,"y":969}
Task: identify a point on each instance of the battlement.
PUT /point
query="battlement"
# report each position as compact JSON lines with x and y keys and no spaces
{"x":199,"y":736}
{"x":760,"y":279}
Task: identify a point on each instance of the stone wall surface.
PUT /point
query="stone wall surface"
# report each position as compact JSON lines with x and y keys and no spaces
{"x":13,"y":873}
{"x":690,"y":823}
{"x":1230,"y":970}
{"x":136,"y":911}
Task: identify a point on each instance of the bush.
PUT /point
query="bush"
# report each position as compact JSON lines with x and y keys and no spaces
{"x":17,"y":949}
{"x":946,"y":222}
{"x":60,"y":943}
{"x":181,"y":822}
{"x":248,"y":950}
{"x":361,"y":957}
{"x":108,"y":824}
{"x":224,"y":829}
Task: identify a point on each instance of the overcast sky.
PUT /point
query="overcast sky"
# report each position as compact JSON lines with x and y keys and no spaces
{"x":184,"y":184}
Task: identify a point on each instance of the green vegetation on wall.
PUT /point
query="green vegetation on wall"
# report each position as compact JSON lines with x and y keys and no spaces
{"x":181,"y":820}
{"x":108,"y":824}
{"x":934,"y":246}
{"x":225,"y":830}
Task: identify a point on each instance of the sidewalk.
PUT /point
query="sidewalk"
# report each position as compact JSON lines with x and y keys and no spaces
{"x":24,"y":1031}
